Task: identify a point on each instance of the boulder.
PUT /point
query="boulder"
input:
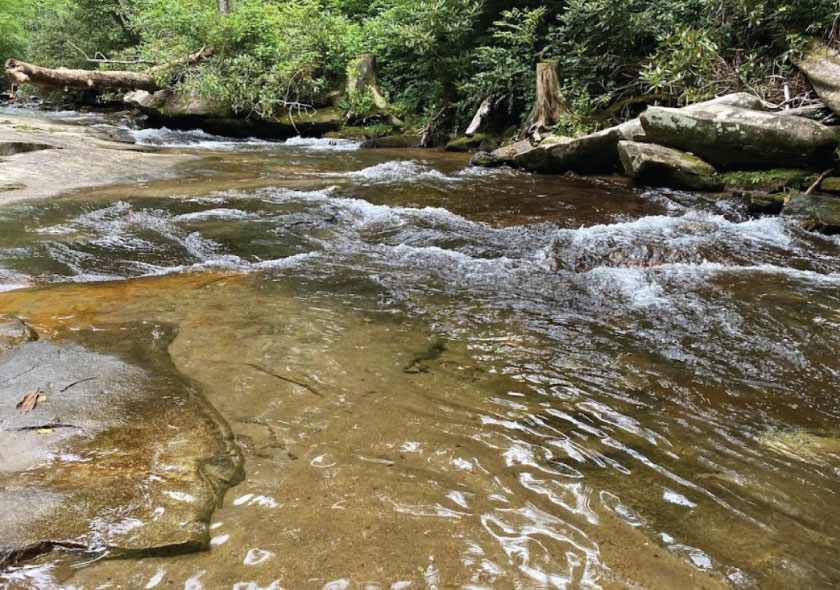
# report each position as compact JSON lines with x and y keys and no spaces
{"x":821,"y":65}
{"x":596,"y":153}
{"x":815,"y":212}
{"x":485,"y":160}
{"x":831,"y":185}
{"x":734,"y":137}
{"x":507,"y":154}
{"x":633,"y":130}
{"x":393,"y":141}
{"x":185,"y":111}
{"x":115,"y":456}
{"x":770,"y":181}
{"x":479,"y":141}
{"x":655,"y":165}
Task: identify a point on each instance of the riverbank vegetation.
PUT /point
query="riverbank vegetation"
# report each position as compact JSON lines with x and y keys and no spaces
{"x":437,"y":60}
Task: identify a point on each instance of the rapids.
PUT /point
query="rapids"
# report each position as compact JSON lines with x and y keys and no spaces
{"x":488,"y":379}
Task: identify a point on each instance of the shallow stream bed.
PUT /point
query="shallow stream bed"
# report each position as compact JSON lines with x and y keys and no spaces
{"x":443,"y":377}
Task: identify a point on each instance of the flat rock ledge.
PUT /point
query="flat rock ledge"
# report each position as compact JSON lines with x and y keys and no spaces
{"x":114,"y":459}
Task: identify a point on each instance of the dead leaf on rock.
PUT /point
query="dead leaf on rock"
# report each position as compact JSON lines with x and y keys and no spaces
{"x":29,"y":402}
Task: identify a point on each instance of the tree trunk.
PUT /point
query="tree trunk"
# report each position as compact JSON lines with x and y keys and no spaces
{"x":480,"y":115}
{"x":361,"y":76}
{"x":19,"y":72}
{"x":226,"y":6}
{"x":548,"y":107}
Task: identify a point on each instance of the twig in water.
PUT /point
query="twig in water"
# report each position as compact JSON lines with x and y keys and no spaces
{"x":306,"y":386}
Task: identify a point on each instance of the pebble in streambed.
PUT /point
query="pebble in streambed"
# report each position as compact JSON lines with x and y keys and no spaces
{"x":118,"y":454}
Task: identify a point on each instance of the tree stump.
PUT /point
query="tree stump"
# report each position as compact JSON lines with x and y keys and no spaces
{"x":549,"y":108}
{"x":361,"y":80}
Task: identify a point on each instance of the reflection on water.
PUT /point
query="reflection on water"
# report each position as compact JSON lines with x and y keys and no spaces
{"x":454,"y":379}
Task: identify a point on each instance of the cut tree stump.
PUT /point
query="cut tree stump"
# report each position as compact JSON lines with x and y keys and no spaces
{"x":549,"y":108}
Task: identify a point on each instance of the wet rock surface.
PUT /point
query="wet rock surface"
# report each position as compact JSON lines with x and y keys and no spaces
{"x":115,"y":457}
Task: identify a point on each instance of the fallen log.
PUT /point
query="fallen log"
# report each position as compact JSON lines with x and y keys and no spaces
{"x":19,"y":72}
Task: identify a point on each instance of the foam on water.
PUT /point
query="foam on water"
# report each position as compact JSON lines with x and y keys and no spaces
{"x":322,"y":144}
{"x":192,"y":139}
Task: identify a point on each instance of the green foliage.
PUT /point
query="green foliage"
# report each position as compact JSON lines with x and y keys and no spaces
{"x":436,"y":58}
{"x":12,"y":38}
{"x":505,"y":69}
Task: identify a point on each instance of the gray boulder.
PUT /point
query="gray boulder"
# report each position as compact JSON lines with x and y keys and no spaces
{"x":821,"y":65}
{"x":815,"y":212}
{"x":733,"y":137}
{"x":114,"y":456}
{"x":655,"y":165}
{"x":633,"y":130}
{"x":596,"y":153}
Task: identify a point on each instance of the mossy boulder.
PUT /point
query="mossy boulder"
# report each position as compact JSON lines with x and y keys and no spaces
{"x":184,"y":111}
{"x":655,"y":165}
{"x":596,"y":153}
{"x":815,"y":212}
{"x":478,"y":142}
{"x":760,"y":203}
{"x":771,"y":181}
{"x":348,"y":132}
{"x":831,"y":185}
{"x":407,"y":140}
{"x":731,"y":137}
{"x":486,"y":160}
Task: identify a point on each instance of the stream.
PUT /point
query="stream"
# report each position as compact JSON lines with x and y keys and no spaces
{"x":448,"y":377}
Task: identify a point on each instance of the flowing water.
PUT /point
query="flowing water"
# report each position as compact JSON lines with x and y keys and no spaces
{"x":445,"y":377}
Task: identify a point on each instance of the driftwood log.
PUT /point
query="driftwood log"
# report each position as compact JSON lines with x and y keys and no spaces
{"x":19,"y":72}
{"x":480,"y":116}
{"x":548,"y":106}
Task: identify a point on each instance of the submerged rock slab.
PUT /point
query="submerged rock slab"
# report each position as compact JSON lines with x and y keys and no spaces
{"x":655,"y":165}
{"x":732,"y":137}
{"x":113,"y":458}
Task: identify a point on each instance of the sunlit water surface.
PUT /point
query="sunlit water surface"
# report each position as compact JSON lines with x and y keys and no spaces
{"x":490,"y":379}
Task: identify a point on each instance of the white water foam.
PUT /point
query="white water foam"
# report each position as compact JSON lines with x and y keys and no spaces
{"x":323,"y":144}
{"x":192,"y":139}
